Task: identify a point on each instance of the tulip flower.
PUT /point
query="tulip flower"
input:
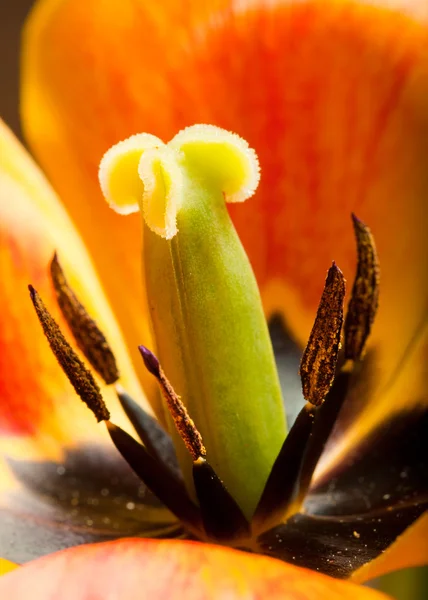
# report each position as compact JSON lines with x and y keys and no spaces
{"x":331,"y":97}
{"x":74,"y":488}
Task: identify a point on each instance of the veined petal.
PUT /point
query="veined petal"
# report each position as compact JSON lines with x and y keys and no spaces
{"x":54,"y":460}
{"x":330,"y":94}
{"x":37,"y":401}
{"x":130,"y":569}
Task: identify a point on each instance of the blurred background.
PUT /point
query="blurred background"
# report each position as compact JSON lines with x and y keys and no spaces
{"x":411,"y":584}
{"x":12,"y":16}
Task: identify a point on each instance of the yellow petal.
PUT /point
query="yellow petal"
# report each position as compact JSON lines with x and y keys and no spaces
{"x":40,"y":412}
{"x":410,"y":550}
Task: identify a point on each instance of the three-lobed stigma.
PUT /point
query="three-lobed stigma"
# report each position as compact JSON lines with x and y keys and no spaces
{"x":143,"y":173}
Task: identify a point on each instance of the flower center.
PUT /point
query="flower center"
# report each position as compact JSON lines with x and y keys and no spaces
{"x":240,"y":473}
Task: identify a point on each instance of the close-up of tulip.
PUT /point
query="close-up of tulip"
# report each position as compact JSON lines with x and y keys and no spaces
{"x":253,"y":341}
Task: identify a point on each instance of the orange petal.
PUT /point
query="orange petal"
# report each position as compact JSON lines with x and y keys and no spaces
{"x":132,"y":569}
{"x":39,"y":408}
{"x":410,"y":550}
{"x":331,"y":95}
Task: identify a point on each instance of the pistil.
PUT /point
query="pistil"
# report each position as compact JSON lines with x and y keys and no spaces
{"x":210,"y":330}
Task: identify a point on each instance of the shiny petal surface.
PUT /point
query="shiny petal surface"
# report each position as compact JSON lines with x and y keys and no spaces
{"x":364,"y":516}
{"x":337,"y":546}
{"x":42,"y":421}
{"x":410,"y":550}
{"x":331,"y":94}
{"x":91,"y":495}
{"x":132,"y":569}
{"x":354,"y":525}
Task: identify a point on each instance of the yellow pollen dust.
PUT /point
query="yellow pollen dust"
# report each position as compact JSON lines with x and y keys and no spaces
{"x":143,"y":173}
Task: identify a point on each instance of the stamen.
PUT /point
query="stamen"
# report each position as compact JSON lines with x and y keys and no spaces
{"x":158,"y":478}
{"x":325,"y":420}
{"x":150,"y":361}
{"x":222,"y":518}
{"x":78,"y":375}
{"x":365,"y":293}
{"x":281,"y":484}
{"x":158,"y":443}
{"x":184,"y":424}
{"x":88,"y":336}
{"x":319,"y":360}
{"x":361,"y":312}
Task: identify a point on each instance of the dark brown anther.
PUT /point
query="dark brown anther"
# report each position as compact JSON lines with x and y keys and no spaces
{"x":318,"y":365}
{"x":88,"y":336}
{"x":184,"y":424}
{"x":78,"y":375}
{"x":365,"y":293}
